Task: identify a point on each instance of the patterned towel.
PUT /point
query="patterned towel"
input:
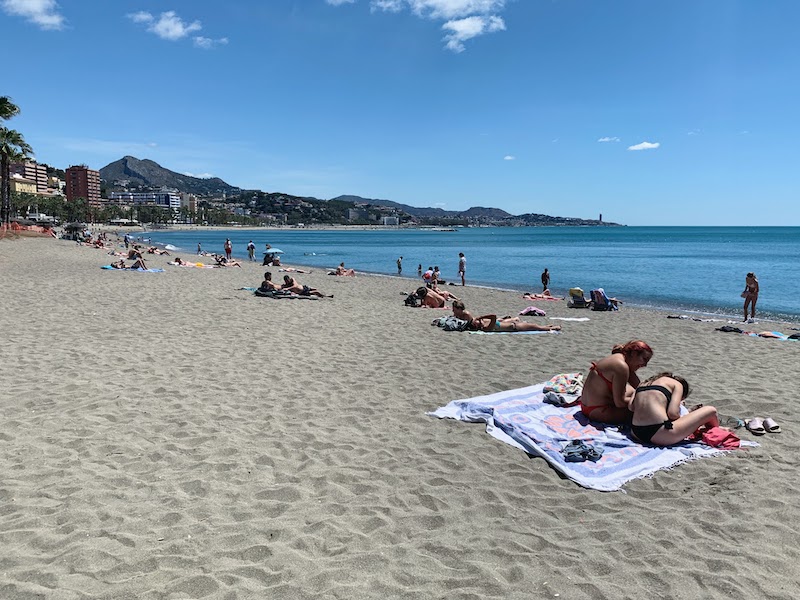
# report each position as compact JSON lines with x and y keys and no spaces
{"x":520,"y":418}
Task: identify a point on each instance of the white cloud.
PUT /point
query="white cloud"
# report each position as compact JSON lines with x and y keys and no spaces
{"x":141,"y":17}
{"x":43,"y":13}
{"x":339,"y":2}
{"x":509,"y":157}
{"x":208,"y":43}
{"x":693,"y":132}
{"x":645,"y":146}
{"x":468,"y":28}
{"x":169,"y":26}
{"x":464,"y":19}
{"x":608,"y":139}
{"x":199,"y":175}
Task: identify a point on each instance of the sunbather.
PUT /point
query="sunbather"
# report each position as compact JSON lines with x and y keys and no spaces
{"x":492,"y":323}
{"x":343,"y":272}
{"x":460,"y":311}
{"x":223,"y":261}
{"x":290,"y":284}
{"x":612,"y":381}
{"x":432,"y":298}
{"x":268,"y":285}
{"x":657,"y":416}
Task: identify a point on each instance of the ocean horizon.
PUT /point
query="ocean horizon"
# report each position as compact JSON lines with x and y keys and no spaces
{"x":680,"y":269}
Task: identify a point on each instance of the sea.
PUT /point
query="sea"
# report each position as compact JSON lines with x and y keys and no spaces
{"x":684,"y":270}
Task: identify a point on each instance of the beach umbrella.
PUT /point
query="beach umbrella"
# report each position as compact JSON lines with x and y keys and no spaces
{"x":274,"y":251}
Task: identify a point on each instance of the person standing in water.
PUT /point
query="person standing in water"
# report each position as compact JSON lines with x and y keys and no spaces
{"x":400,"y":266}
{"x":545,"y":279}
{"x":462,"y":267}
{"x":750,"y":295}
{"x":251,"y":250}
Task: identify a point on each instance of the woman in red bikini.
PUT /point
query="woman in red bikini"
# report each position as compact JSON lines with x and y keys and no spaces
{"x":612,"y":381}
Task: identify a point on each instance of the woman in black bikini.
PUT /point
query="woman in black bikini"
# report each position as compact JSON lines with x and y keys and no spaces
{"x":612,"y":382}
{"x":657,"y":416}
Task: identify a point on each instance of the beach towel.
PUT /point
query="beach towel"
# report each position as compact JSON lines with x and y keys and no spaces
{"x":533,"y":310}
{"x":281,"y":294}
{"x":521,"y":418}
{"x":509,"y":332}
{"x":110,"y":268}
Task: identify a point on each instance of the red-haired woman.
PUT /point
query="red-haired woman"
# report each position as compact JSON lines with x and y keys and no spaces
{"x":612,"y":381}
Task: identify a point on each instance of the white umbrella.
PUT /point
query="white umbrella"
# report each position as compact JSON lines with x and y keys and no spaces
{"x":274,"y":251}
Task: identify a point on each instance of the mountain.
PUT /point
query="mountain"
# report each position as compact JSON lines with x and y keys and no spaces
{"x":475,"y":211}
{"x":130,"y":172}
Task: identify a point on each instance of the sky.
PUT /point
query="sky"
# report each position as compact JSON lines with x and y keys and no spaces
{"x":644,"y":111}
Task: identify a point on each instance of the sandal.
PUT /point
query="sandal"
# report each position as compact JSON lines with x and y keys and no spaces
{"x":771,"y":426}
{"x":756,"y":426}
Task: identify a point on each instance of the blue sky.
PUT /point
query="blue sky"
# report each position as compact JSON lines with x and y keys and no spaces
{"x":651,"y":113}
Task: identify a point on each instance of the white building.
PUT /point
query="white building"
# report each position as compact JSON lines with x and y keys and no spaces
{"x":163,"y":198}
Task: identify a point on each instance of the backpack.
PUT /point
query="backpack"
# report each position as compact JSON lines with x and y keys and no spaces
{"x":412,"y":300}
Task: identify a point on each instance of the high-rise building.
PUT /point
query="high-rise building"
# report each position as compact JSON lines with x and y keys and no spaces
{"x":33,"y":171}
{"x":83,"y":182}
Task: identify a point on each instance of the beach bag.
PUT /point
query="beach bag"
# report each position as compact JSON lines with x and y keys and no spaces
{"x":411,"y":300}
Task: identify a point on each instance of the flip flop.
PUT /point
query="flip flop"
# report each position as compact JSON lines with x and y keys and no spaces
{"x":771,"y":426}
{"x":756,"y":426}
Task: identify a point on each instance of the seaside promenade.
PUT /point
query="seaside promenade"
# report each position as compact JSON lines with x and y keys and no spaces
{"x":170,"y":436}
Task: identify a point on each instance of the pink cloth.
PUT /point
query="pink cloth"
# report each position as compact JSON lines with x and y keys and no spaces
{"x":533,"y":310}
{"x":717,"y":437}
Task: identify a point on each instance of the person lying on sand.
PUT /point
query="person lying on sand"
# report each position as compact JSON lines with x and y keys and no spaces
{"x":545,"y":295}
{"x":222,"y":261}
{"x":154,"y":250}
{"x":433,"y":298}
{"x":492,"y":323}
{"x":137,"y":264}
{"x":612,"y":381}
{"x":289,"y":283}
{"x":656,"y":410}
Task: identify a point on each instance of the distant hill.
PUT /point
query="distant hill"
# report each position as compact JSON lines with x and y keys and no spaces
{"x":475,"y":211}
{"x":479,"y":214}
{"x":129,"y":172}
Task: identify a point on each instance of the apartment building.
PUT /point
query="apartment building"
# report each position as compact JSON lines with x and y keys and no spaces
{"x":32,"y":171}
{"x":163,"y":198}
{"x":83,"y":182}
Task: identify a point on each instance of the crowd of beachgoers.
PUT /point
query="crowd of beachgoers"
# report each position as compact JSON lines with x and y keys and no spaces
{"x":653,"y":409}
{"x":196,"y":439}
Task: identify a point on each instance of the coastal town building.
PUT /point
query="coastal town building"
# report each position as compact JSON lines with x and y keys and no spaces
{"x":83,"y":182}
{"x":21,"y":185}
{"x":164,"y":198}
{"x":33,"y":171}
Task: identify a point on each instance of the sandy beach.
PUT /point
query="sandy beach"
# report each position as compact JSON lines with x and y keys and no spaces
{"x":169,"y":436}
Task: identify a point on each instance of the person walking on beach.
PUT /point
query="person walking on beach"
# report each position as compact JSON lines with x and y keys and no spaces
{"x":750,"y":295}
{"x":462,"y":267}
{"x":545,"y":279}
{"x":400,"y":266}
{"x":251,"y":250}
{"x":228,"y":248}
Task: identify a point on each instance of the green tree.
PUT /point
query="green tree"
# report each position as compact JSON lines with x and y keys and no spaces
{"x":13,"y":148}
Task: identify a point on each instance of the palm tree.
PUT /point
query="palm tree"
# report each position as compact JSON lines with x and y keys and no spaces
{"x":13,"y":147}
{"x":7,"y":108}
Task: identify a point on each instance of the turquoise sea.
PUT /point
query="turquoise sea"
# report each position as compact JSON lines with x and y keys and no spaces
{"x":681,"y":269}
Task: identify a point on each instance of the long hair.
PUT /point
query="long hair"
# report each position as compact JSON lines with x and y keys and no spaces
{"x":631,"y":347}
{"x":678,"y":378}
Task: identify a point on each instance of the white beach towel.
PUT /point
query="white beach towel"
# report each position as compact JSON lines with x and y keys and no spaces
{"x":520,"y":418}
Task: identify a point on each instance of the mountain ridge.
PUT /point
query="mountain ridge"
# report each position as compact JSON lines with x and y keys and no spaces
{"x":130,"y":171}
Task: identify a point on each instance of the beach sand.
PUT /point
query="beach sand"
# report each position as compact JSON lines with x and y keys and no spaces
{"x":167,"y":436}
